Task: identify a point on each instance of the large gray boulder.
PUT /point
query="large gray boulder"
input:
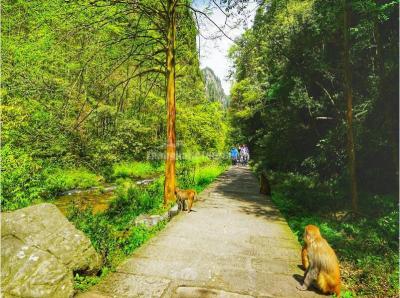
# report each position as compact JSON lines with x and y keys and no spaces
{"x":27,"y":271}
{"x":40,"y":249}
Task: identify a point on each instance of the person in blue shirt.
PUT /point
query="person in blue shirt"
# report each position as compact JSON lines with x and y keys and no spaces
{"x":234,"y":155}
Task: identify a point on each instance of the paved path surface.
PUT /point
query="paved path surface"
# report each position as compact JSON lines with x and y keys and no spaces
{"x":234,"y":244}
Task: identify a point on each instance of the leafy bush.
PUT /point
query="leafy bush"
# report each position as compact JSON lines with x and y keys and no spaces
{"x":84,"y":282}
{"x":198,"y":172}
{"x":60,"y":180}
{"x":134,"y":170}
{"x":305,"y":190}
{"x":199,"y":160}
{"x":185,"y":172}
{"x":99,"y":230}
{"x":139,"y":235}
{"x":24,"y":180}
{"x":207,"y":174}
{"x":112,"y":239}
{"x":132,"y":201}
{"x":21,"y":179}
{"x":366,"y":247}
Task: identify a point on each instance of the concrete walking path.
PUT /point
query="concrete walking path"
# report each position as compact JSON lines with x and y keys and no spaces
{"x":234,"y":244}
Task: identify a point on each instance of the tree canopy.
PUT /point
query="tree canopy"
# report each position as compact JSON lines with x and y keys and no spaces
{"x":83,"y":83}
{"x":289,"y":103}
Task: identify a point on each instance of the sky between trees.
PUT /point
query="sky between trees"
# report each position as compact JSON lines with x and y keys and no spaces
{"x":214,"y":46}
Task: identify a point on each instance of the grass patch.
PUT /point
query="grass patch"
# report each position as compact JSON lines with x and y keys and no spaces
{"x":200,"y":160}
{"x":367,"y":246}
{"x":135,"y":170}
{"x":61,"y":180}
{"x":192,"y":175}
{"x":207,"y":174}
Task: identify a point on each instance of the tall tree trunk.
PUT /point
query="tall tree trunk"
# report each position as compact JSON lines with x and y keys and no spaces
{"x":169,"y":184}
{"x":348,"y":93}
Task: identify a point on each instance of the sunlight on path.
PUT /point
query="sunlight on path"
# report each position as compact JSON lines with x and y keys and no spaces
{"x":234,"y":244}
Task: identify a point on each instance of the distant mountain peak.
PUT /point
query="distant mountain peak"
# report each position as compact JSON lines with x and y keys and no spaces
{"x":214,"y":90}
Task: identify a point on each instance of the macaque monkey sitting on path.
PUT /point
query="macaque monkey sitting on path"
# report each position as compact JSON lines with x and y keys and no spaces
{"x":320,"y":262}
{"x":265,"y":187}
{"x":183,"y":195}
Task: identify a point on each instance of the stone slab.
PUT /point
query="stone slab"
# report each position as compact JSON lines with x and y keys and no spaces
{"x":197,"y":292}
{"x":121,"y":285}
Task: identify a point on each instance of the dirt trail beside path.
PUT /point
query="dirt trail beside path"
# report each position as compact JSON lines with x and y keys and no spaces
{"x":234,"y":244}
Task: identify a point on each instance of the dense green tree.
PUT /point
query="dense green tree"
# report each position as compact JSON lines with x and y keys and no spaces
{"x":83,"y":84}
{"x":316,"y":98}
{"x":288,"y":101}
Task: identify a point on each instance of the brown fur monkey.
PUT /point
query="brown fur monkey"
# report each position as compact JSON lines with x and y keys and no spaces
{"x":320,"y":261}
{"x":265,"y":187}
{"x":183,"y":195}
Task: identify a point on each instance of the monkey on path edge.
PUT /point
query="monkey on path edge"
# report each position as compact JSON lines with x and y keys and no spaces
{"x":265,"y":187}
{"x":320,"y":262}
{"x":183,"y":195}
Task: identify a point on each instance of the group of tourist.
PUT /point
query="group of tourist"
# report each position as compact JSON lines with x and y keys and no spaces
{"x":240,"y":155}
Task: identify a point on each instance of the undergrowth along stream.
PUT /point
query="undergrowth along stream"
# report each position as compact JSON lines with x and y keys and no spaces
{"x":113,"y":232}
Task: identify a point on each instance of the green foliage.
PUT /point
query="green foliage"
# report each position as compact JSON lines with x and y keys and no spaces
{"x":133,"y":200}
{"x":366,"y":247}
{"x":20,"y":179}
{"x":83,"y":283}
{"x":99,"y":230}
{"x":113,"y":233}
{"x":288,"y":103}
{"x":206,"y":131}
{"x":112,"y":237}
{"x":200,"y":160}
{"x":62,"y":179}
{"x":77,"y":92}
{"x":208,"y":174}
{"x":199,"y":171}
{"x":138,"y":236}
{"x":346,"y":294}
{"x":135,"y":170}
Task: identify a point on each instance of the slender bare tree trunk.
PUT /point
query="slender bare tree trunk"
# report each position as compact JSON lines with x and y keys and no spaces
{"x":169,"y":185}
{"x":348,"y":93}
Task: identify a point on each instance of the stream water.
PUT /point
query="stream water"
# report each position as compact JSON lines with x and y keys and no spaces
{"x":97,"y":198}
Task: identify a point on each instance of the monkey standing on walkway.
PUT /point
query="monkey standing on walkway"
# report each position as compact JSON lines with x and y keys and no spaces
{"x":183,"y":195}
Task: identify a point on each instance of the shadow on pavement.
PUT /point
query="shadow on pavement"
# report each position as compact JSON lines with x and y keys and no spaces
{"x":240,"y":185}
{"x":313,"y":287}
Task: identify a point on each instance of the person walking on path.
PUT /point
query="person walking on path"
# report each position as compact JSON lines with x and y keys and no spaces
{"x":234,"y":155}
{"x":241,"y":154}
{"x":246,"y":154}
